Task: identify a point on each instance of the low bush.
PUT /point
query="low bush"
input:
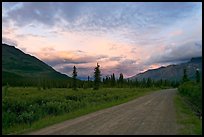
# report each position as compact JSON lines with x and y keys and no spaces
{"x":193,"y":93}
{"x":28,"y":105}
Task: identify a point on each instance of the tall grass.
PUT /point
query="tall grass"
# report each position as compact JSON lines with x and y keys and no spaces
{"x":22,"y":107}
{"x":192,"y":92}
{"x":189,"y":123}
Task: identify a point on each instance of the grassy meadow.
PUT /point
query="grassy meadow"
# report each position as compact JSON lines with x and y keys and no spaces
{"x":28,"y":109}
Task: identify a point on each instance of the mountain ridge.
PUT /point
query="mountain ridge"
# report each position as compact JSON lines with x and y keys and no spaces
{"x":173,"y":71}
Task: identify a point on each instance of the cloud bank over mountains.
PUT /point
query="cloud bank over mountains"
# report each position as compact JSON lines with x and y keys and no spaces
{"x":123,"y":37}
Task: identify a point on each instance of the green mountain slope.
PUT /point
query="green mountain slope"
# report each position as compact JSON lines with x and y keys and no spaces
{"x":18,"y":65}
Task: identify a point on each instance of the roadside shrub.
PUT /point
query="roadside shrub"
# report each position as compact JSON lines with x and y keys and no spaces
{"x":26,"y":117}
{"x":74,"y":97}
{"x":53,"y":108}
{"x":27,"y":105}
{"x":8,"y":119}
{"x":193,"y":92}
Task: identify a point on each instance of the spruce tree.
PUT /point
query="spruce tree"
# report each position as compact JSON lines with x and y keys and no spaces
{"x":185,"y":77}
{"x":113,"y":80}
{"x":97,"y":77}
{"x":74,"y":75}
{"x":197,"y":76}
{"x":106,"y":81}
{"x":120,"y":81}
{"x":88,"y":82}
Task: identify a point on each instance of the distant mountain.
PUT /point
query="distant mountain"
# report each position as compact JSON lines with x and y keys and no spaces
{"x":17,"y":65}
{"x":172,"y":72}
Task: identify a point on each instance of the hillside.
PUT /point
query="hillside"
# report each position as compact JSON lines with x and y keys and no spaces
{"x":172,"y":72}
{"x":18,"y":65}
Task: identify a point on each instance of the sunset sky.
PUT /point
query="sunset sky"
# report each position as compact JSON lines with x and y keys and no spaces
{"x":126,"y":38}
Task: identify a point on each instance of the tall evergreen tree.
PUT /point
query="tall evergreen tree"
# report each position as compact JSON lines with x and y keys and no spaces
{"x":88,"y":78}
{"x":97,"y":77}
{"x":88,"y":82}
{"x":113,"y":80}
{"x":74,"y":75}
{"x":104,"y":82}
{"x":120,"y":81}
{"x":185,"y":77}
{"x":197,"y":76}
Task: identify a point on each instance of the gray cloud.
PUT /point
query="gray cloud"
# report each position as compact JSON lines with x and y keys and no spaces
{"x":29,"y":35}
{"x":91,"y":16}
{"x":127,"y":66}
{"x":116,"y":58}
{"x":9,"y":41}
{"x":79,"y":60}
{"x":55,"y":62}
{"x":102,"y":57}
{"x":80,"y":57}
{"x":178,"y":53}
{"x":122,"y":21}
{"x":41,"y":12}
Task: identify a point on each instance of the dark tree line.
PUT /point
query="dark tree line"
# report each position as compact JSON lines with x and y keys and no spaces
{"x":192,"y":91}
{"x":144,"y":83}
{"x":186,"y":79}
{"x":106,"y":82}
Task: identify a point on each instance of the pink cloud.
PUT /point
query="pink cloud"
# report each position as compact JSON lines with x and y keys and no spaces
{"x":176,"y":33}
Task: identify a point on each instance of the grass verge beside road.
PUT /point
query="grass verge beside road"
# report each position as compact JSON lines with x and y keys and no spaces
{"x":189,"y":123}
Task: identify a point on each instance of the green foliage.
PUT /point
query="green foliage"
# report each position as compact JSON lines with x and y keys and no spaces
{"x":28,"y":105}
{"x":144,"y":83}
{"x":193,"y":92}
{"x":185,"y":77}
{"x":20,"y":69}
{"x":6,"y":89}
{"x":74,"y":75}
{"x":97,"y":77}
{"x":175,"y":84}
{"x":120,"y":81}
{"x":113,"y":82}
{"x":189,"y":123}
{"x":26,"y":117}
{"x":197,"y":76}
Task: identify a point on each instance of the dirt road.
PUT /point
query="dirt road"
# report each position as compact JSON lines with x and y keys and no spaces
{"x":152,"y":114}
